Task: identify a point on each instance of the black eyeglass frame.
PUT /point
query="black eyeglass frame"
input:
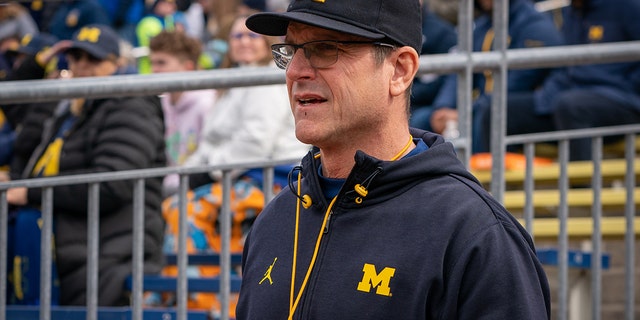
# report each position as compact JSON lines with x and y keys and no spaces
{"x":283,"y":60}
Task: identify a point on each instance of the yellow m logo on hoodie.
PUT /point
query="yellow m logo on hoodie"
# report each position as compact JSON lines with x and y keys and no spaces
{"x":380,"y":281}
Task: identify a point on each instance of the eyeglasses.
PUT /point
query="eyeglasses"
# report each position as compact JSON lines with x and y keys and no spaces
{"x":240,"y":35}
{"x":77,"y":55}
{"x":320,"y":53}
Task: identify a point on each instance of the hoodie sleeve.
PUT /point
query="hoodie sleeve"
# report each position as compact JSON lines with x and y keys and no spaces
{"x":497,"y":263}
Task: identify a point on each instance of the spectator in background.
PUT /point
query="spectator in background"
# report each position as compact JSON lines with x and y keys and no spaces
{"x":71,"y":15}
{"x":35,"y":58}
{"x":77,"y":136}
{"x":184,"y":111}
{"x":124,"y":15}
{"x":594,"y":95}
{"x":195,"y":14}
{"x":5,"y":65}
{"x":7,"y":137}
{"x":217,"y":17}
{"x":164,"y":16}
{"x":24,"y":67}
{"x":528,"y":28}
{"x":446,"y":9}
{"x":15,"y":23}
{"x":439,"y":36}
{"x":42,"y":12}
{"x":247,"y":124}
{"x":30,"y":45}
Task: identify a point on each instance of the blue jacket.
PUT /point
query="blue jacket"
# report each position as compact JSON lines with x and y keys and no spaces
{"x":600,"y":21}
{"x":121,"y":12}
{"x":528,"y":28}
{"x":438,"y":36}
{"x":72,"y":15}
{"x":426,"y":242}
{"x":7,"y":138}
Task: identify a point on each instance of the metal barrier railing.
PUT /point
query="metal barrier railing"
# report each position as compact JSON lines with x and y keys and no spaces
{"x":136,"y":85}
{"x":463,"y":62}
{"x":138,"y":177}
{"x":630,"y":153}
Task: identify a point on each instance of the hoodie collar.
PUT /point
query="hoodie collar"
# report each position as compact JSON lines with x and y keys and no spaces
{"x":385,"y":179}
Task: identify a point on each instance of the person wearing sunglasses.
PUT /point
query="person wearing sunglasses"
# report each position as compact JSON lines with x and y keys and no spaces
{"x":87,"y":135}
{"x":380,"y":220}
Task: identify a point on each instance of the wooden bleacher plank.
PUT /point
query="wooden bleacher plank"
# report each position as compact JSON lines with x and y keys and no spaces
{"x":582,"y":227}
{"x":610,"y":197}
{"x":576,"y":170}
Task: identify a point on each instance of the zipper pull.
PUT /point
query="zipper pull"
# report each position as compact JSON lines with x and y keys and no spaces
{"x":326,"y":226}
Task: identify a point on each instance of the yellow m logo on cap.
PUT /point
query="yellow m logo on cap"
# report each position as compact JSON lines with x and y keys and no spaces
{"x":380,"y":281}
{"x":89,"y":34}
{"x":26,"y":39}
{"x":596,"y":33}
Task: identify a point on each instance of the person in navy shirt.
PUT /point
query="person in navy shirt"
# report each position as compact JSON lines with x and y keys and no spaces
{"x":528,"y":28}
{"x":594,"y":95}
{"x":439,"y":36}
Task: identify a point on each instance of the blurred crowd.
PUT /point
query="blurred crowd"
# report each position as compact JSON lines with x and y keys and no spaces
{"x":86,"y":135}
{"x":536,"y":94}
{"x":58,"y":39}
{"x":538,"y":100}
{"x":135,"y":21}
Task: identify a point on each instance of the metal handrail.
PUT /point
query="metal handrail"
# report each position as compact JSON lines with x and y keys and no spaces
{"x":137,"y":85}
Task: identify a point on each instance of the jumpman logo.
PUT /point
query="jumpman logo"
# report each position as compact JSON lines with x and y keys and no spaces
{"x":267,"y":274}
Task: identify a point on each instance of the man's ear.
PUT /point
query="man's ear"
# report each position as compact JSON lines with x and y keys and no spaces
{"x":406,"y":67}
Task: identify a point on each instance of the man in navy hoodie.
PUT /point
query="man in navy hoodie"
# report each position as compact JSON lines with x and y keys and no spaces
{"x":379,"y":221}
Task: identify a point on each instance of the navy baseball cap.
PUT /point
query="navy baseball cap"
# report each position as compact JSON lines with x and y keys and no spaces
{"x":98,"y":40}
{"x":399,"y":21}
{"x":32,"y":44}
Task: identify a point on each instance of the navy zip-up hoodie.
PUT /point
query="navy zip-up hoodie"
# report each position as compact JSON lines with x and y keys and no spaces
{"x":426,"y":241}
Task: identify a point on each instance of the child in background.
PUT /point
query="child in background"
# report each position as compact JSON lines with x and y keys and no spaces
{"x":164,"y":16}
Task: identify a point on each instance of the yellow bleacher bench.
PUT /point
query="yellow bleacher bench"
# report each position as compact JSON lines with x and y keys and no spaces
{"x":576,"y":171}
{"x":610,"y":197}
{"x":582,"y":228}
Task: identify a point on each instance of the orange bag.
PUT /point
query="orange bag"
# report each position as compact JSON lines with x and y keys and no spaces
{"x":203,"y":207}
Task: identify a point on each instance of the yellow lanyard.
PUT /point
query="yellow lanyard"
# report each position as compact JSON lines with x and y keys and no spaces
{"x":293,"y":305}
